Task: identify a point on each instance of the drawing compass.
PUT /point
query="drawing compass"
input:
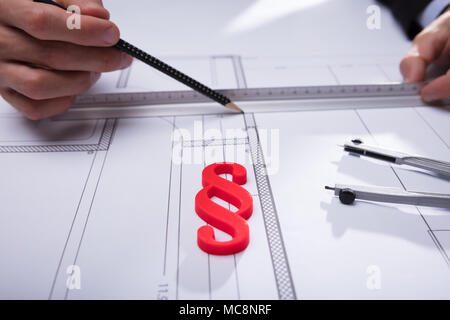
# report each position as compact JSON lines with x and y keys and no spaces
{"x":348,"y":194}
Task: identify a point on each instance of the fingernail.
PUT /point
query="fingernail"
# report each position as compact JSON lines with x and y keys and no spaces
{"x":126,"y":61}
{"x":111,"y":36}
{"x":406,"y":76}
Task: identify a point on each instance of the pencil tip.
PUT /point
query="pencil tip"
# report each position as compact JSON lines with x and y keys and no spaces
{"x":233,"y":106}
{"x":329,"y":188}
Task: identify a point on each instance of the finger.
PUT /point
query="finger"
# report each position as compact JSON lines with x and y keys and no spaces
{"x":37,"y":109}
{"x":437,"y":89}
{"x":59,"y":55}
{"x":413,"y":68}
{"x":444,"y":58}
{"x":426,"y":48}
{"x":70,"y":57}
{"x":47,"y":22}
{"x":92,"y":8}
{"x":41,"y":84}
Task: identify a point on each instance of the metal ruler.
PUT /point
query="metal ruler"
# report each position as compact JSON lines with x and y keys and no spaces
{"x":136,"y":104}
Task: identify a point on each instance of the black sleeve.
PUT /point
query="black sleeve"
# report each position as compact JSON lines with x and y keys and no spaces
{"x":407,"y":12}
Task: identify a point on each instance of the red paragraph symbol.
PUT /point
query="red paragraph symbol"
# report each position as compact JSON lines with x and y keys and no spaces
{"x":232,"y":223}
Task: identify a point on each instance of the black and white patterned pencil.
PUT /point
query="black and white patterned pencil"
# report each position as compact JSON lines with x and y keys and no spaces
{"x":148,"y":59}
{"x":159,"y":65}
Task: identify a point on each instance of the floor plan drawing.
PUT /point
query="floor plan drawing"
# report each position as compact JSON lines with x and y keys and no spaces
{"x":235,"y":71}
{"x":115,"y":197}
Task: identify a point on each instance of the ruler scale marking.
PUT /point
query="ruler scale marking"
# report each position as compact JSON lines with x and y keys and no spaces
{"x":253,"y":94}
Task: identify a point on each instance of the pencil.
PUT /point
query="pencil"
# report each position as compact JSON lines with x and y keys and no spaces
{"x":159,"y":65}
{"x":137,"y":53}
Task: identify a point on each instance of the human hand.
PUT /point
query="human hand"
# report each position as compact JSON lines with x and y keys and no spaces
{"x":44,"y":64}
{"x":432,"y":45}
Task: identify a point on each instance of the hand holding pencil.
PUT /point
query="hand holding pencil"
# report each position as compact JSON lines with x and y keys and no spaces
{"x":43,"y":64}
{"x":46,"y":64}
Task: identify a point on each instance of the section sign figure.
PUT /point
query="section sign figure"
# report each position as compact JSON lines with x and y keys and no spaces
{"x":232,"y":223}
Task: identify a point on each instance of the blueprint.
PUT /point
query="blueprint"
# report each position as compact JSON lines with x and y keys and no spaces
{"x":104,"y":208}
{"x":237,"y":71}
{"x":115,"y":197}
